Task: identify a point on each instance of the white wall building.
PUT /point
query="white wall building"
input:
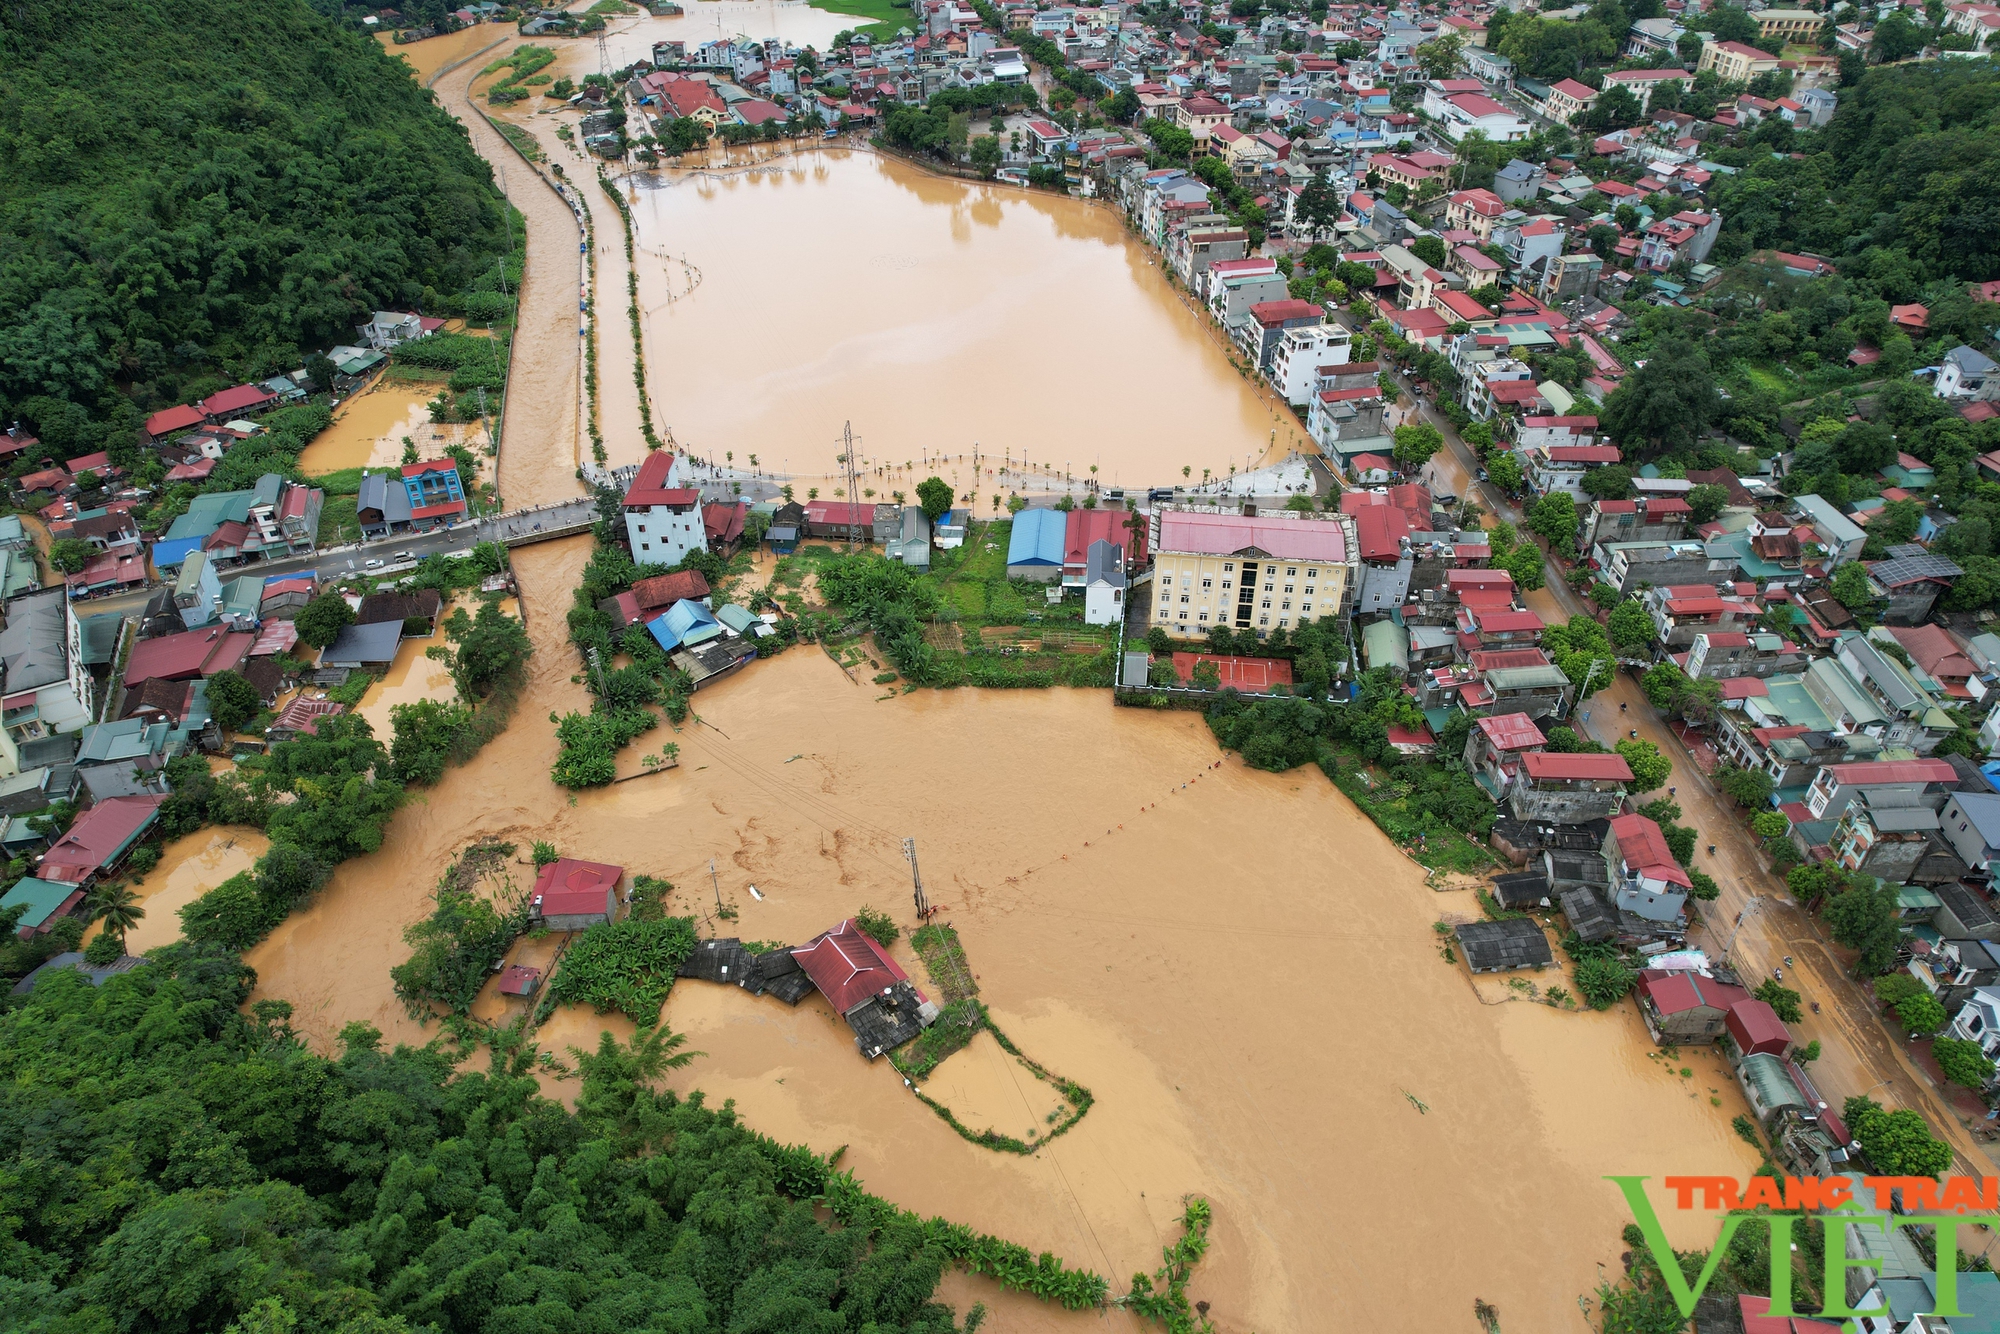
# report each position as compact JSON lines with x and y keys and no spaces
{"x":663,"y":516}
{"x":1301,"y":352}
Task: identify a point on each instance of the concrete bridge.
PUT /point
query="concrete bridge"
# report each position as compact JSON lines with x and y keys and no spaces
{"x":541,"y":523}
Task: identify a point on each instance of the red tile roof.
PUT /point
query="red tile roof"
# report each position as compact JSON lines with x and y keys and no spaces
{"x":1551,"y":764}
{"x":1894,"y":771}
{"x":847,"y":966}
{"x":242,"y":398}
{"x":650,"y":486}
{"x":664,"y":590}
{"x":184,"y":656}
{"x":1512,"y":731}
{"x":1678,"y":992}
{"x":168,"y":420}
{"x":97,"y":836}
{"x":1644,"y":848}
{"x":1507,"y":622}
{"x":571,"y":887}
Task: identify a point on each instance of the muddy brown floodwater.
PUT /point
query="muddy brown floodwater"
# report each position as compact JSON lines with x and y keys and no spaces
{"x":785,"y":298}
{"x":1237,"y":964}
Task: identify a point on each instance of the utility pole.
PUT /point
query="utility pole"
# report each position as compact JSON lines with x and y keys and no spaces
{"x":716,"y":885}
{"x":916,"y":880}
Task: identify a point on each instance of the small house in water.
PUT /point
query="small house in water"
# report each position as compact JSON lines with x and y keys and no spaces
{"x":1498,"y":947}
{"x":517,"y":980}
{"x":1684,"y":1006}
{"x":571,"y":895}
{"x":866,"y":988}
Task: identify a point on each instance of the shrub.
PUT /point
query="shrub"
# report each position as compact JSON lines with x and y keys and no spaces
{"x":1604,"y":981}
{"x":878,"y":925}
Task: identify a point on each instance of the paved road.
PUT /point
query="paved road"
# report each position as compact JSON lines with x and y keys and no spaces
{"x":1859,"y":1053}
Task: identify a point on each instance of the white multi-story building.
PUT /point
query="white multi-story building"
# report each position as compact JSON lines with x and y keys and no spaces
{"x":663,"y":516}
{"x":1301,"y":352}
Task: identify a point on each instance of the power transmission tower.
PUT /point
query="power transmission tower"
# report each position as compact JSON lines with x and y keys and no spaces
{"x":853,"y":485}
{"x":916,"y":880}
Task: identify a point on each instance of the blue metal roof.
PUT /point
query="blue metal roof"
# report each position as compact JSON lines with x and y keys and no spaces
{"x":169,"y":554}
{"x":686,"y":622}
{"x":1037,"y":538}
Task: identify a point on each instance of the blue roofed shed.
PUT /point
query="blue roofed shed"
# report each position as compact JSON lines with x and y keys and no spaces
{"x":684,"y":625}
{"x":1035,"y":549}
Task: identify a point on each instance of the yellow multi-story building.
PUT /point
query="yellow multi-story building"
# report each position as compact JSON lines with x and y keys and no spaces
{"x":1793,"y":25}
{"x":1736,"y":62}
{"x":1274,"y":570}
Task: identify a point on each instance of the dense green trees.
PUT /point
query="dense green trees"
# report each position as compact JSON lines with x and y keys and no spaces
{"x":1902,"y":181}
{"x":1667,"y":403}
{"x":198,"y":193}
{"x":198,"y":1168}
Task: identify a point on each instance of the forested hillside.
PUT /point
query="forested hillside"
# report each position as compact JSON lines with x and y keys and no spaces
{"x":194,"y":193}
{"x":1910,"y":165}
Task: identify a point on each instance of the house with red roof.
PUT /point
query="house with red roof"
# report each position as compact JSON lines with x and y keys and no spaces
{"x":188,"y":655}
{"x":649,"y":598}
{"x":1564,"y":788}
{"x":99,"y":839}
{"x":1646,"y":881}
{"x":866,"y":987}
{"x":241,"y":401}
{"x":1494,"y":749}
{"x":168,"y":422}
{"x":574,"y":895}
{"x":1082,"y":527}
{"x":722,"y":526}
{"x":662,"y":514}
{"x":1683,"y":1007}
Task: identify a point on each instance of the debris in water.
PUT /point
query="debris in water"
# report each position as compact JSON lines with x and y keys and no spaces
{"x":1416,"y":1102}
{"x":801,"y":755}
{"x":755,"y":895}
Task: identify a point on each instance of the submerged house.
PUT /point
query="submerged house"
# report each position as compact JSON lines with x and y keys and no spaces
{"x":866,"y":987}
{"x":572,"y":895}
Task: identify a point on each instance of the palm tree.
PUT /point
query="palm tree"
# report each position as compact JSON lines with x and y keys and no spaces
{"x":1187,"y":470}
{"x":658,"y":1050}
{"x":812,"y":493}
{"x":114,"y":904}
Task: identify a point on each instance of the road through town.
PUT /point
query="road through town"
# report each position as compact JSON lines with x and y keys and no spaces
{"x":1859,"y":1053}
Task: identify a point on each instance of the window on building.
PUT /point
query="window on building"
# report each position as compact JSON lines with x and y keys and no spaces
{"x":1184,"y":616}
{"x":1166,"y":581}
{"x":1267,"y":588}
{"x":1202,"y":617}
{"x":1267,"y":604}
{"x":1184,"y":599}
{"x":1283,"y":620}
{"x":1229,"y":567}
{"x":1225,"y":585}
{"x":1207,"y":584}
{"x":1292,"y":573}
{"x":1286,"y":604}
{"x":1306,"y":607}
{"x":1288,"y":588}
{"x":1263,"y":620}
